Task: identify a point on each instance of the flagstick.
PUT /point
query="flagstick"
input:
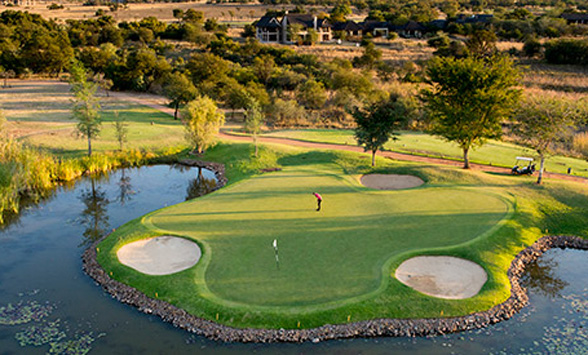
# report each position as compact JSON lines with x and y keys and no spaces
{"x":275,"y":244}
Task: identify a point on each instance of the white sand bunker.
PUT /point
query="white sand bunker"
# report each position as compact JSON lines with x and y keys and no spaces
{"x":160,"y":255}
{"x":390,"y":181}
{"x":442,"y":276}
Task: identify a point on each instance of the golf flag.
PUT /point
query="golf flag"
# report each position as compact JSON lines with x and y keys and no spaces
{"x":275,"y":244}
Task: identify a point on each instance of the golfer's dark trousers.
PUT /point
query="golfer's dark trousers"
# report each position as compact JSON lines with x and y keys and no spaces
{"x":318,"y":208}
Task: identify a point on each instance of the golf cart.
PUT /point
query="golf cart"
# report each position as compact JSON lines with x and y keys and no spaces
{"x":524,"y":170}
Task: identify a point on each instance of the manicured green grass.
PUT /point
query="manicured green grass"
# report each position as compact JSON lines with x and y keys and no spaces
{"x":337,"y":265}
{"x":493,"y":152}
{"x":148,"y":129}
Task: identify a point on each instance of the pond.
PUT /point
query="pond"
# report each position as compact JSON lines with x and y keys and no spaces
{"x":51,"y":298}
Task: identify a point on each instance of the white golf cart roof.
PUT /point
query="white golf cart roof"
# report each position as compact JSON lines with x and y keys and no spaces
{"x":525,"y":158}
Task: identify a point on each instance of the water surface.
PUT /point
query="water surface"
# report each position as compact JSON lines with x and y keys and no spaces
{"x":40,"y":261}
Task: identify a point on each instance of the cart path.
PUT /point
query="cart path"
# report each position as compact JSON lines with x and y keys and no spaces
{"x":141,"y":99}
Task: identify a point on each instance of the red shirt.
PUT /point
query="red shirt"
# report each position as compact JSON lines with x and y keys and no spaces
{"x":318,"y":197}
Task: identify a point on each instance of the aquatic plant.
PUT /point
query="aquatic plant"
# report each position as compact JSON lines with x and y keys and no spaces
{"x":37,"y":335}
{"x":24,"y":312}
{"x":569,"y":334}
{"x":80,"y":346}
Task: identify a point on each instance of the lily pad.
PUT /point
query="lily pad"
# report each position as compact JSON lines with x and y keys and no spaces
{"x":38,"y":335}
{"x":24,"y":312}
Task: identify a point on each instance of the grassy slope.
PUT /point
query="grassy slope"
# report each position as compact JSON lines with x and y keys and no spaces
{"x":39,"y":113}
{"x":493,"y":152}
{"x":147,"y":129}
{"x":335,"y":279}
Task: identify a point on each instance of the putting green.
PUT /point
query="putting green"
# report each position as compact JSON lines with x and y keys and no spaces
{"x":339,"y":253}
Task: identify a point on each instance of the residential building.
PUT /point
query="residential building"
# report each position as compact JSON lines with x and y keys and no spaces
{"x":579,"y":18}
{"x":271,"y":29}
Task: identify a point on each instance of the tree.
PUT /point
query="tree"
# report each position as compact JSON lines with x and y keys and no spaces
{"x":312,"y":36}
{"x":340,"y":11}
{"x":103,"y":83}
{"x":86,"y":106}
{"x":482,"y":43}
{"x":284,"y":113}
{"x":253,"y":120}
{"x":264,"y":67}
{"x":370,"y":57}
{"x":179,"y":90}
{"x":121,"y":130}
{"x":312,"y":95}
{"x":377,"y":122}
{"x":469,"y":98}
{"x":542,"y":121}
{"x":202,"y":121}
{"x":294,"y":30}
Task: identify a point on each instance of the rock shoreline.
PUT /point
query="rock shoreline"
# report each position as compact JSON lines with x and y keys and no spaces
{"x":371,"y":328}
{"x":217,"y":168}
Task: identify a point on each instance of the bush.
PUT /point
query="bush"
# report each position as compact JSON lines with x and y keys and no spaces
{"x":567,"y":51}
{"x":439,"y":41}
{"x":54,"y":6}
{"x":532,"y":47}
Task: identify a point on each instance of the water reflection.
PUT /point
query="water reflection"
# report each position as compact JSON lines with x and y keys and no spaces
{"x":201,"y":185}
{"x":125,"y":188}
{"x":541,"y":279}
{"x":95,"y":214}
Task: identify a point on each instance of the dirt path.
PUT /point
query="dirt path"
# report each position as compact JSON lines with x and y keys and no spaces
{"x":152,"y":101}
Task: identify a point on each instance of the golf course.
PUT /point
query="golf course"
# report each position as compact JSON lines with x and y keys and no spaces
{"x":337,"y":265}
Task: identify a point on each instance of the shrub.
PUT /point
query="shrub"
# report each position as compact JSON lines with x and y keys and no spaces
{"x":567,"y":51}
{"x":54,"y":6}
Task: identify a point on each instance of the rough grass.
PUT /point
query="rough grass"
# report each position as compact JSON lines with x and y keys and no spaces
{"x":493,"y":152}
{"x":337,"y":265}
{"x":39,"y":114}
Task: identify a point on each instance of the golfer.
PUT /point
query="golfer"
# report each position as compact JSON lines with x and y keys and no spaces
{"x":319,"y":199}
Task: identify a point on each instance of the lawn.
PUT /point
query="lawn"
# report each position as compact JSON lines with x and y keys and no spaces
{"x":39,"y":113}
{"x":492,"y":153}
{"x":337,"y":265}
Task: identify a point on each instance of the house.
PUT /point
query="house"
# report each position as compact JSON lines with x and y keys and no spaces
{"x":269,"y":29}
{"x":350,"y":28}
{"x":306,"y":23}
{"x":580,"y":19}
{"x":375,"y":28}
{"x":411,"y":29}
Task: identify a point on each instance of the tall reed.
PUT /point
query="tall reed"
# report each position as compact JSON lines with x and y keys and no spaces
{"x":26,"y":171}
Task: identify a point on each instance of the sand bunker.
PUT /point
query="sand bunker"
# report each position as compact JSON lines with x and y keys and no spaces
{"x":442,"y":276}
{"x":390,"y":181}
{"x":160,"y":256}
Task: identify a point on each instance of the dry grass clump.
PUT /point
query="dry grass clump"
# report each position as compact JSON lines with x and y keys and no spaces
{"x":557,"y":77}
{"x":397,"y":51}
